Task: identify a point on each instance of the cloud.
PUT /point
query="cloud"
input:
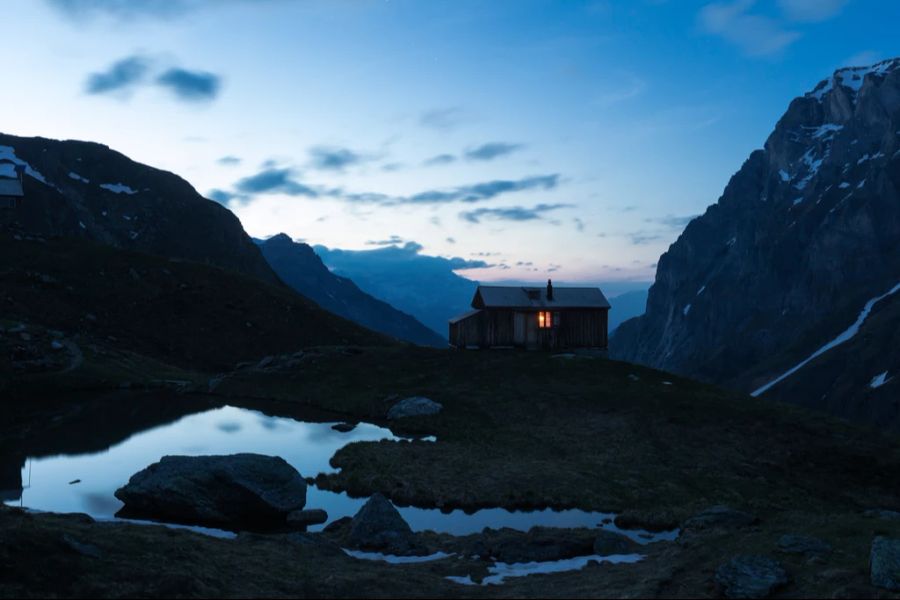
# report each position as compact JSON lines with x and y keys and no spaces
{"x":492,"y":150}
{"x":220,"y":196}
{"x":440,"y":159}
{"x":331,"y":158}
{"x":450,"y":240}
{"x":191,"y":86}
{"x":122,"y":76}
{"x":391,"y":241}
{"x":229,"y":161}
{"x":512,"y":213}
{"x":755,"y":35}
{"x":275,"y":181}
{"x":811,"y":11}
{"x":672,"y":221}
{"x":122,"y":9}
{"x":441,"y":119}
{"x":413,"y":247}
{"x":579,"y":224}
{"x":482,"y":191}
{"x":641,"y":238}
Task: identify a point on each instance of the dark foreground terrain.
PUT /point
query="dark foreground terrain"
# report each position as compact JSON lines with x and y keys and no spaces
{"x":517,"y":430}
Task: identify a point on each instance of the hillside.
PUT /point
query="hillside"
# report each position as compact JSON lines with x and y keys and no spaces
{"x":193,"y":316}
{"x":86,"y":190}
{"x":298,"y":265}
{"x":804,"y":235}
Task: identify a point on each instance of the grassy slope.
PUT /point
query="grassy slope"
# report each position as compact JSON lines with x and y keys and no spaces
{"x":180,"y":313}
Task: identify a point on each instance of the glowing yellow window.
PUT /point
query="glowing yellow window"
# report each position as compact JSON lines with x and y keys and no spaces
{"x":545,"y":320}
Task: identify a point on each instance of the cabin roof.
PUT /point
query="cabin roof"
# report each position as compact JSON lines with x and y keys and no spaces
{"x":11,"y":187}
{"x":465,"y":315}
{"x":495,"y":296}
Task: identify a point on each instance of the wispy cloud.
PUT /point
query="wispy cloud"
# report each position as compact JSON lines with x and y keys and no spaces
{"x":811,"y":11}
{"x":483,"y":191}
{"x":511,"y":213}
{"x":754,"y":34}
{"x":275,"y":181}
{"x":440,"y":159}
{"x":442,"y":119}
{"x":492,"y":150}
{"x":121,"y":77}
{"x":191,"y":86}
{"x":391,"y":241}
{"x":672,"y":221}
{"x":641,"y":238}
{"x":333,"y":158}
{"x":229,"y":161}
{"x":220,"y":196}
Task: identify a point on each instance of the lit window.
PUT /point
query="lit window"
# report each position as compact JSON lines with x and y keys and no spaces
{"x":545,"y":320}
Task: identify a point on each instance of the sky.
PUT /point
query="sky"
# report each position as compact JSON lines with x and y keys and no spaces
{"x":528,"y":138}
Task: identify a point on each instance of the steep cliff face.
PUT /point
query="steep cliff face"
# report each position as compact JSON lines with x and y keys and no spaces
{"x":86,"y":190}
{"x":299,"y":266}
{"x":804,"y":235}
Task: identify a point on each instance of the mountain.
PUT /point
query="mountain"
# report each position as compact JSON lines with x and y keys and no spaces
{"x":423,"y":286}
{"x":298,"y":265}
{"x":86,"y":190}
{"x":794,"y":272}
{"x":626,"y":306}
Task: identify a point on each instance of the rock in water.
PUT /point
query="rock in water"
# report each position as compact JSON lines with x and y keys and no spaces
{"x":719,"y":517}
{"x":885,"y":563}
{"x":378,"y":526}
{"x":414,"y":406}
{"x":750,"y":576}
{"x":238,"y":491}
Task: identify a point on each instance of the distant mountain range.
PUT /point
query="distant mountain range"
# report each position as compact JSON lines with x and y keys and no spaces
{"x":298,"y":265}
{"x":789,"y":286}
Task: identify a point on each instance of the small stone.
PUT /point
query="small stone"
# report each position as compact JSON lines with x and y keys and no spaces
{"x":750,"y":576}
{"x":885,"y":563}
{"x":414,"y":406}
{"x":802,"y":544}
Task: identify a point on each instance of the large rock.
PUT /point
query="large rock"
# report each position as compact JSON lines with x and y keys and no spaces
{"x":378,"y":526}
{"x":414,"y":406}
{"x":719,"y":517}
{"x":750,"y":576}
{"x":238,"y":491}
{"x":885,"y":563}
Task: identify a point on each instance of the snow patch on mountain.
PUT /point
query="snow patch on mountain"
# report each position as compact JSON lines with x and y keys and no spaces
{"x":840,"y":339}
{"x":879,"y":380}
{"x":9,"y":153}
{"x":77,"y":177}
{"x":118,"y":188}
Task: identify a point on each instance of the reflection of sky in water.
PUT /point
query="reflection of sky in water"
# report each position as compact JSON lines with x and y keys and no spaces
{"x":228,"y":430}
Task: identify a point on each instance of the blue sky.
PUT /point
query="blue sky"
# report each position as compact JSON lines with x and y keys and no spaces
{"x":571,"y":139}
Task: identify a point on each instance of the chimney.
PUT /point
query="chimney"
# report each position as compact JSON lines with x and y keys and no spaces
{"x":549,"y":290}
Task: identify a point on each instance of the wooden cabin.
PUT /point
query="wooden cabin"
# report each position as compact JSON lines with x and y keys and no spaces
{"x":533,"y":318}
{"x":11,"y":192}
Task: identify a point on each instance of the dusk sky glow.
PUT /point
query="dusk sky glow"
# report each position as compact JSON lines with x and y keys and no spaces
{"x":572,"y":138}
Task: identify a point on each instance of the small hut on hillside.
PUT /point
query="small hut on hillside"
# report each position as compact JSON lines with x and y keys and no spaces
{"x":533,"y":318}
{"x":11,"y":191}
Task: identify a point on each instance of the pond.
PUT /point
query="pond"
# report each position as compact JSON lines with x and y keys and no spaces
{"x":84,"y":481}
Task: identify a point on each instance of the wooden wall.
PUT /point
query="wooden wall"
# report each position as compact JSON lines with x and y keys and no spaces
{"x":578,"y":328}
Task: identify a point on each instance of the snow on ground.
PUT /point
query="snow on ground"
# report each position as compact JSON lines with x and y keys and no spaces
{"x":840,"y":339}
{"x":828,"y":129}
{"x":393,"y":558}
{"x":118,"y":188}
{"x":9,"y":153}
{"x":686,"y":310}
{"x":500,"y":571}
{"x":879,"y":380}
{"x":77,"y":177}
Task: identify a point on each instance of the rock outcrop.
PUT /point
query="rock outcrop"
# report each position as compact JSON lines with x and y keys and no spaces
{"x":414,"y":406}
{"x":801,"y":254}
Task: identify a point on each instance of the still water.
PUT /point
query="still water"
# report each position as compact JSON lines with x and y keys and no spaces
{"x":85,"y":482}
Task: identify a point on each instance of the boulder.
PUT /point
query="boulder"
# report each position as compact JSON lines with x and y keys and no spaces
{"x":414,"y":406}
{"x":885,"y":563}
{"x":720,"y":517}
{"x":609,"y":542}
{"x":379,"y":526}
{"x":803,"y":544}
{"x":238,"y":491}
{"x":750,"y":576}
{"x":301,"y":519}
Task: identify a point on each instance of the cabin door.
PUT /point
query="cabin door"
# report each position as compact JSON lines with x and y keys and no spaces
{"x":519,"y":319}
{"x":532,"y":340}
